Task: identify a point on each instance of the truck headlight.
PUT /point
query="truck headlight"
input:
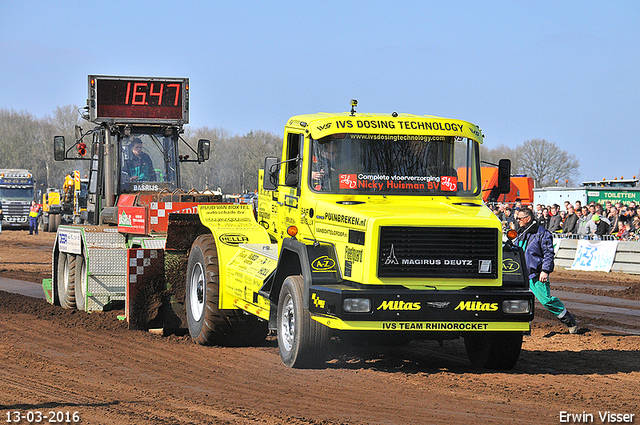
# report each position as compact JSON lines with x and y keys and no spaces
{"x":516,"y":306}
{"x":356,"y":305}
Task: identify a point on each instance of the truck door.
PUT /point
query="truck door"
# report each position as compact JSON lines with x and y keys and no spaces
{"x":289,"y":188}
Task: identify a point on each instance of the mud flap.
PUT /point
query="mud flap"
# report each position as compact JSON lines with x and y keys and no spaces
{"x":514,"y":267}
{"x":145,"y":286}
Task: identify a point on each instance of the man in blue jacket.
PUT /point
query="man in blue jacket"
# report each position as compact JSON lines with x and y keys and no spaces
{"x":537,"y":243}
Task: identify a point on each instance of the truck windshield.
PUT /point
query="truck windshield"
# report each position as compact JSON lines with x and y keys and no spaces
{"x":16,"y":193}
{"x":148,"y":162}
{"x":387,"y":164}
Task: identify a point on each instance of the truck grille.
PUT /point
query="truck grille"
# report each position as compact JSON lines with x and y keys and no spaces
{"x":15,"y":209}
{"x":441,"y":252}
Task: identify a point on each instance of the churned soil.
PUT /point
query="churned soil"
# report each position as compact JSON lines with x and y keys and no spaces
{"x":59,"y":362}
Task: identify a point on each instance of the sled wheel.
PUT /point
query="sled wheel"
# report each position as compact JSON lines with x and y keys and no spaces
{"x":303,"y":342}
{"x":208,"y":324}
{"x":80,"y":283}
{"x":66,"y":280}
{"x":493,"y":350}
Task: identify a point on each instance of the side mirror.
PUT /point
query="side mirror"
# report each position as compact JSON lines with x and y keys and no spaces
{"x":271,"y":172}
{"x":59,"y":149}
{"x":204,"y":146}
{"x":504,"y":175}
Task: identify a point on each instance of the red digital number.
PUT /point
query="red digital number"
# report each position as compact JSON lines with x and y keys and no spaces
{"x":177,"y":86}
{"x":138,"y":97}
{"x":158,"y":93}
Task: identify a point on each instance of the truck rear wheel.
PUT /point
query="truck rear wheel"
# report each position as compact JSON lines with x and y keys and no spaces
{"x":493,"y":350}
{"x":54,"y":222}
{"x":66,"y":280}
{"x":303,"y":342}
{"x":208,"y":324}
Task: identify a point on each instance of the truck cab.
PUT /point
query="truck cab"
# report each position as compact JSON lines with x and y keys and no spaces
{"x":17,"y":190}
{"x":400,"y":206}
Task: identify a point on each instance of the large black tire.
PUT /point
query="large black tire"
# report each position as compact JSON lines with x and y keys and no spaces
{"x":44,"y":224}
{"x":493,"y":350}
{"x":303,"y":342}
{"x":80,"y":283}
{"x":208,"y":324}
{"x":66,"y":280}
{"x":54,"y":222}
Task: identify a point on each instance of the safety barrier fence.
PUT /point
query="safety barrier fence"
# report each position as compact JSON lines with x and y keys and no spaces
{"x":609,"y":254}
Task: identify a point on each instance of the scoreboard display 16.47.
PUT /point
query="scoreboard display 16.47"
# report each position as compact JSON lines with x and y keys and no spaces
{"x":138,"y":99}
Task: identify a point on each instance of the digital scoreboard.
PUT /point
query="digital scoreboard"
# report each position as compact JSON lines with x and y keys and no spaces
{"x":138,"y":99}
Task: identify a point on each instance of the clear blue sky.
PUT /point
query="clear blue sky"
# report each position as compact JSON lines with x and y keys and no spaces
{"x":566,"y":71}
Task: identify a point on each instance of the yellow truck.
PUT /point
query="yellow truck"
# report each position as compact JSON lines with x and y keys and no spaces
{"x":66,"y":206}
{"x":51,"y":208}
{"x":369,"y":225}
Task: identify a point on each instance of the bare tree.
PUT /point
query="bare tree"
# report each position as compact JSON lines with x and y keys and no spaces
{"x":65,"y":119}
{"x":545,"y":162}
{"x":233,"y":161}
{"x":492,"y":156}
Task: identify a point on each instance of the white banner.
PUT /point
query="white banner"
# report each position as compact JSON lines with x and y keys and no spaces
{"x":595,"y":255}
{"x":70,"y":240}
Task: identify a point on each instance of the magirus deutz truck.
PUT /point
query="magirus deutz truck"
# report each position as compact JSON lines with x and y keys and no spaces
{"x":368,"y":225}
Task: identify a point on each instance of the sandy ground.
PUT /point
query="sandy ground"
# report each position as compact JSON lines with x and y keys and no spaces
{"x":58,"y":362}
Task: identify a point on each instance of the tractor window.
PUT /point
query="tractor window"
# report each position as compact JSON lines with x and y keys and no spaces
{"x":148,"y":162}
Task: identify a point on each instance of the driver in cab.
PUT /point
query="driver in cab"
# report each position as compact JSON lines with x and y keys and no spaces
{"x":138,"y":166}
{"x":323,"y":170}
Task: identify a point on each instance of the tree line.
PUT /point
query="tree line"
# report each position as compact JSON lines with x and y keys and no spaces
{"x":27,"y":142}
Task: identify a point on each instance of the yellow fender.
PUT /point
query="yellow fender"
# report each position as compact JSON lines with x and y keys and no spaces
{"x":231,"y":225}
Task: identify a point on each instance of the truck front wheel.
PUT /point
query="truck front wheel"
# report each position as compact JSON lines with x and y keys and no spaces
{"x":493,"y":350}
{"x":208,"y":324}
{"x":303,"y":342}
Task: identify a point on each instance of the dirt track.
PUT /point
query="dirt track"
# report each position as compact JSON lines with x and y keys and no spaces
{"x":56,"y":360}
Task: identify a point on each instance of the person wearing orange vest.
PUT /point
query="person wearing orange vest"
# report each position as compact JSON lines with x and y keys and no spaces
{"x":34,"y":213}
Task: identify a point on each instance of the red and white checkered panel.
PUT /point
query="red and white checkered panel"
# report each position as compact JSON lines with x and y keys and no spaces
{"x":139,"y":259}
{"x":159,"y":213}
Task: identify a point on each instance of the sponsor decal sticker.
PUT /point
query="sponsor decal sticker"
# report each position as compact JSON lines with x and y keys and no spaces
{"x":399,"y":305}
{"x":389,"y":183}
{"x":476,"y":306}
{"x":510,"y":266}
{"x":317,"y":301}
{"x":434,"y":326}
{"x":323,"y":264}
{"x":124,"y":220}
{"x":348,"y":181}
{"x":233,"y":239}
{"x":448,"y":183}
{"x":352,"y":254}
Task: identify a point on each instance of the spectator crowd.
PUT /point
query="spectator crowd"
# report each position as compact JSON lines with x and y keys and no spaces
{"x":592,"y":221}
